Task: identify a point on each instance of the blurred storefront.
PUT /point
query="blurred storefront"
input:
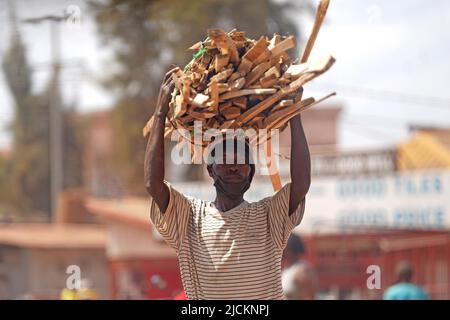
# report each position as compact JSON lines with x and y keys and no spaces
{"x":343,"y":261}
{"x":365,"y":207}
{"x":141,"y":264}
{"x":34,"y":259}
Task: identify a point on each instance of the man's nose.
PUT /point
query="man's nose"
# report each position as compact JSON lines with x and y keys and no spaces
{"x":232,"y":168}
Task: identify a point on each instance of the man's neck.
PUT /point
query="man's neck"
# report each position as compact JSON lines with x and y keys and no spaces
{"x":225,"y":203}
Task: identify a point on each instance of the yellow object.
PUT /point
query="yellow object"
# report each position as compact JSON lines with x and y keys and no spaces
{"x":423,"y":151}
{"x":68,"y":294}
{"x":87,"y":294}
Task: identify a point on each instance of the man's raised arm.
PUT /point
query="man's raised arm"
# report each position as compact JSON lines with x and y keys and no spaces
{"x":300,"y":164}
{"x":154,"y":154}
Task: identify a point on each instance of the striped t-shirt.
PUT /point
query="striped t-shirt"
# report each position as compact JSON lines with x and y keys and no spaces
{"x":228,"y":255}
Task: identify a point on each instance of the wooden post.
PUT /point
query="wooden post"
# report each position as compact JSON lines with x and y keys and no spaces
{"x":271,"y":165}
{"x":320,"y":16}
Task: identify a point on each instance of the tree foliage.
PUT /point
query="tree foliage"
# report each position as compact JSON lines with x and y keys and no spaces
{"x":25,"y":180}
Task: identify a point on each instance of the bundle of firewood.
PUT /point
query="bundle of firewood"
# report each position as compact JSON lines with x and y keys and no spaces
{"x":236,"y":82}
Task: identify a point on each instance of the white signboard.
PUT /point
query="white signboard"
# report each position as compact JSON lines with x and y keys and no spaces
{"x":416,"y":200}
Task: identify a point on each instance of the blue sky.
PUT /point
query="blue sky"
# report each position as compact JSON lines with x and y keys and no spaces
{"x":396,"y":49}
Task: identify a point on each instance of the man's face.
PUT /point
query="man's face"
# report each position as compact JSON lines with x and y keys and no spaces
{"x":230,"y":173}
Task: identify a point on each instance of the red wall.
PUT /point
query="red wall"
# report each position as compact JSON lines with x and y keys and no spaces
{"x":141,"y":273}
{"x":341,"y":261}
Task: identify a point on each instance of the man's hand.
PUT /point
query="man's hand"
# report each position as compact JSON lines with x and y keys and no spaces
{"x":164,"y":96}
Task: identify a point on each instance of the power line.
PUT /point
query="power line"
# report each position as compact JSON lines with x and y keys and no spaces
{"x":371,"y":133}
{"x":386,"y":122}
{"x":385,"y":95}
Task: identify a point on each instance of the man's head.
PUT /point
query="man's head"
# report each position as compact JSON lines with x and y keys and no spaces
{"x":231,"y":166}
{"x":404,"y":272}
{"x":300,"y":282}
{"x":294,"y":249}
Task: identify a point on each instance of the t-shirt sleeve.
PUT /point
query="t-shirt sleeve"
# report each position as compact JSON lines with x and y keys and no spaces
{"x":172,"y":224}
{"x":280,"y":223}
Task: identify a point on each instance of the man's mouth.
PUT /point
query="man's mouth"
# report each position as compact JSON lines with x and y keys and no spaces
{"x":234,"y":178}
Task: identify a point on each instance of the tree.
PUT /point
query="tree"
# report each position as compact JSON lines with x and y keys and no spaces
{"x":30,"y":162}
{"x":28,"y":175}
{"x":148,"y":35}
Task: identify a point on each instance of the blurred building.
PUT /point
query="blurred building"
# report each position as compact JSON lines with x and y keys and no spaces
{"x":429,"y":147}
{"x":343,"y":260}
{"x":365,"y":207}
{"x":100,"y":178}
{"x":380,"y":217}
{"x":141,"y":264}
{"x":34,"y":259}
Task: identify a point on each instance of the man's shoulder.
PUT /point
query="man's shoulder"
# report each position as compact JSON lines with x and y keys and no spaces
{"x":403,"y":291}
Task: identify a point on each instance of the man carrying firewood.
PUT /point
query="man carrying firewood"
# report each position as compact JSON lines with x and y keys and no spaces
{"x":229,"y":248}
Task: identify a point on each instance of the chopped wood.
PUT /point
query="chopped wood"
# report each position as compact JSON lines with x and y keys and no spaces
{"x":284,"y":45}
{"x":214,"y":94}
{"x":225,"y":105}
{"x":240,"y":102}
{"x":226,"y":125}
{"x":211,"y":122}
{"x":180,"y":107}
{"x":246,"y":92}
{"x":276,"y":117}
{"x":200,"y":100}
{"x":257,"y":49}
{"x":221,"y":61}
{"x":237,"y":82}
{"x":236,"y":75}
{"x":265,"y":55}
{"x":245,"y":66}
{"x":256,"y":73}
{"x":224,"y":43}
{"x":201,"y":115}
{"x":272,"y":71}
{"x":268,"y":81}
{"x":222,"y":76}
{"x":282,"y":104}
{"x":223,"y":87}
{"x":231,"y":113}
{"x":295,"y":70}
{"x":238,"y":36}
{"x":276,"y":39}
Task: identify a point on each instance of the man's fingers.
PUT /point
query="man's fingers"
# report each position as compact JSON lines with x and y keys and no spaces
{"x":170,"y":78}
{"x":169,"y":73}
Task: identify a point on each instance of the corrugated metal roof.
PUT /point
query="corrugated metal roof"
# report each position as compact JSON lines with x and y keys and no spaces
{"x":46,"y":236}
{"x":131,"y":210}
{"x":424,"y":150}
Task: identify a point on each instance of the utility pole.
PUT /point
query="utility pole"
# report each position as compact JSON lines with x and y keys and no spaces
{"x":56,"y":115}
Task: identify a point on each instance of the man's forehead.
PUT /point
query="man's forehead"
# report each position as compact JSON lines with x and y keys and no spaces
{"x":232,"y":155}
{"x":231,"y":151}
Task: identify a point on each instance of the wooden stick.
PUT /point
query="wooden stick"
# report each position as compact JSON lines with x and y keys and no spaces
{"x":320,"y":16}
{"x":273,"y":170}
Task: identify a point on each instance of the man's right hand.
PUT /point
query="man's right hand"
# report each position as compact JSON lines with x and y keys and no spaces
{"x":165,"y":92}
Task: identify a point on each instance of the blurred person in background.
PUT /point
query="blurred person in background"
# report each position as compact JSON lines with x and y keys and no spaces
{"x":404,"y":289}
{"x":293,"y":252}
{"x":300,"y":282}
